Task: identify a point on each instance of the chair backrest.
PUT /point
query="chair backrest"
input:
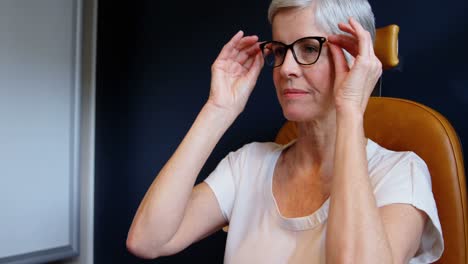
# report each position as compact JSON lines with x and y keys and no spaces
{"x":404,"y":125}
{"x":386,"y":45}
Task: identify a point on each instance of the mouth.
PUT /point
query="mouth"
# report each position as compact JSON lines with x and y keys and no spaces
{"x":294,"y":93}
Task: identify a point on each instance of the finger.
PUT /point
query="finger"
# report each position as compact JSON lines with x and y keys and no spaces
{"x":246,"y":41}
{"x":238,"y":53}
{"x":248,"y":63}
{"x":347,"y":28}
{"x":364,"y":37}
{"x":244,"y":67}
{"x":251,"y":59}
{"x":226,"y":51}
{"x":242,"y":44}
{"x":365,"y":45}
{"x":247,"y":53}
{"x":339,"y":59}
{"x":256,"y":66}
{"x":349,"y":43}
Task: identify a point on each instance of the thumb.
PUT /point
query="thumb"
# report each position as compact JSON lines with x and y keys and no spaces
{"x":256,"y":67}
{"x":339,"y":59}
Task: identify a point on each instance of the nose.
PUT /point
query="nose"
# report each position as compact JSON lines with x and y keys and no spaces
{"x":289,"y":68}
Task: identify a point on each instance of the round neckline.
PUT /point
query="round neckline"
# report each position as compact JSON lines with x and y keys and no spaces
{"x":292,"y":223}
{"x":302,"y":223}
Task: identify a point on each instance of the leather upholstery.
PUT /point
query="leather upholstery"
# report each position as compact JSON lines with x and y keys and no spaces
{"x":386,"y":45}
{"x":399,"y":124}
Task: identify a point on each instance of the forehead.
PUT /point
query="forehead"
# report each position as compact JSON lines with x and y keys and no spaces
{"x":290,"y":24}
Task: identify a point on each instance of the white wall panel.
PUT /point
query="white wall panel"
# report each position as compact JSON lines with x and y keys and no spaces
{"x":39,"y":129}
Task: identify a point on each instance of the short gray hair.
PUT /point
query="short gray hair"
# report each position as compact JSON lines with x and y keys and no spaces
{"x":329,"y":13}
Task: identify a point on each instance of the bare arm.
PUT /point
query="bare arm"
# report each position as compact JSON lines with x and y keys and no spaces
{"x":163,"y":208}
{"x":173,"y":214}
{"x":358,"y":231}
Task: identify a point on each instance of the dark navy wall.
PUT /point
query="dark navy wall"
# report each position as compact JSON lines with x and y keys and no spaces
{"x":434,"y":70}
{"x":154,"y":60}
{"x":153,"y":77}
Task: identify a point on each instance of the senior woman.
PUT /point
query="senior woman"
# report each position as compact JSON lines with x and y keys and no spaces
{"x":331,"y":195}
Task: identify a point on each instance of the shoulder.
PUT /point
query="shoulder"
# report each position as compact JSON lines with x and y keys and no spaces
{"x":254,"y":150}
{"x":262,"y":147}
{"x":382,"y":161}
{"x":398,"y":176}
{"x":380,"y":156}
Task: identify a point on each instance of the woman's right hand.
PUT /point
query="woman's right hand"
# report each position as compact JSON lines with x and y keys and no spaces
{"x":234,"y":73}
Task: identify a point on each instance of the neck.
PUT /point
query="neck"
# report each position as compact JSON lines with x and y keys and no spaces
{"x":314,"y":148}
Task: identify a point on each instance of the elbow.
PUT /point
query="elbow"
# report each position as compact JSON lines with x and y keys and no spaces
{"x":140,"y":248}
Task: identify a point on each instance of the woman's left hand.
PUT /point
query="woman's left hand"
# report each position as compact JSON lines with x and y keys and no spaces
{"x":354,"y":83}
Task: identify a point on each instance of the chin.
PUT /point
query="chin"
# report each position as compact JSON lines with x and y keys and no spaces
{"x":297,"y":113}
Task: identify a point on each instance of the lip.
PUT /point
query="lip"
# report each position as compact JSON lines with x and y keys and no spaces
{"x":294,"y":93}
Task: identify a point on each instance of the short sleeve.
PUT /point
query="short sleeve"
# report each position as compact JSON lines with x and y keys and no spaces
{"x":221,"y":182}
{"x":227,"y":177}
{"x":409,"y":181}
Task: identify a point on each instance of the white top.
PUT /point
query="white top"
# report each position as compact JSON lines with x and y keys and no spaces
{"x":258,"y":233}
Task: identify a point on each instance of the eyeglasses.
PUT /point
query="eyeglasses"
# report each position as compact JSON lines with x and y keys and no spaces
{"x":306,"y":51}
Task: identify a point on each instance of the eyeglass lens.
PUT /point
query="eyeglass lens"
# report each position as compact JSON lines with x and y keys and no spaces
{"x":305,"y":51}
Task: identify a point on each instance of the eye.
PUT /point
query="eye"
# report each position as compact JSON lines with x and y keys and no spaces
{"x":278,"y":51}
{"x":309,"y":49}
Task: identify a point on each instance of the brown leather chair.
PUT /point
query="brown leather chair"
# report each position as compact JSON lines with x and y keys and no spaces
{"x":401,"y":125}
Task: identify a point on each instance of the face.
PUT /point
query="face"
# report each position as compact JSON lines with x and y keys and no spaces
{"x":305,"y":92}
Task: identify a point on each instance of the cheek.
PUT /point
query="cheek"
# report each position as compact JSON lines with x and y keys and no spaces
{"x":322,"y":76}
{"x":329,"y":68}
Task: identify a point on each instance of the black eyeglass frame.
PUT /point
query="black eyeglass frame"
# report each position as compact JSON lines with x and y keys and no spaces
{"x":321,"y":40}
